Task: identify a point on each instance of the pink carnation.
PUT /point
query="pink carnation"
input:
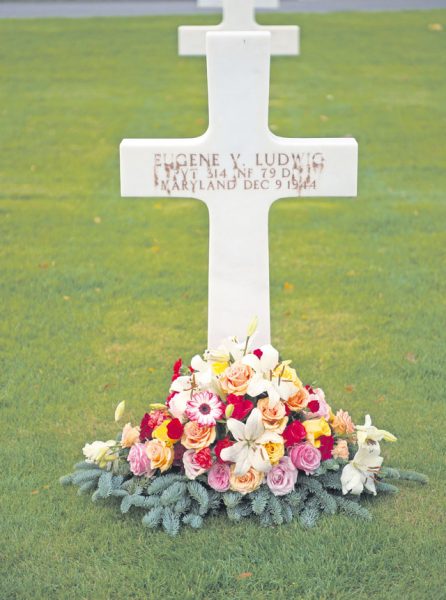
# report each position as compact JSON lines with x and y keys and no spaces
{"x":192,"y":468}
{"x":305,"y":457}
{"x":218,"y":477}
{"x":139,"y":461}
{"x":323,"y":409}
{"x":282,"y":478}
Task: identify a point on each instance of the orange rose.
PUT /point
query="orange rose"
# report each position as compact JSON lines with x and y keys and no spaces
{"x":160,"y":455}
{"x":196,"y":437}
{"x":235,"y":379}
{"x":342,"y":423}
{"x":274,"y":417}
{"x":247,"y":483}
{"x":130,"y":435}
{"x":340,"y":450}
{"x":299,"y":400}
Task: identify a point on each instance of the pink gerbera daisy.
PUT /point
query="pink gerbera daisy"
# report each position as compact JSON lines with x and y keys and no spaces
{"x":205,"y":408}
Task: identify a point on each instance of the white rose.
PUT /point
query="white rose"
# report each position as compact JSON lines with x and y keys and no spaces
{"x":96,"y":451}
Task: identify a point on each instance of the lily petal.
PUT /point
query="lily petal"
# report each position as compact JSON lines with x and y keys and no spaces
{"x":237,"y":428}
{"x":269,"y":358}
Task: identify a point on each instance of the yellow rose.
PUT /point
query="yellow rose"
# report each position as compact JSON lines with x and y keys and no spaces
{"x":273,"y":417}
{"x":275,"y":451}
{"x":130,"y":435}
{"x":286,"y":373}
{"x":160,"y":455}
{"x":315,"y":428}
{"x":247,"y":483}
{"x":160,"y":433}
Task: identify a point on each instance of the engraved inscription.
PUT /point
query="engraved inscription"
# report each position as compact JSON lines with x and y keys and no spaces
{"x":287,"y":172}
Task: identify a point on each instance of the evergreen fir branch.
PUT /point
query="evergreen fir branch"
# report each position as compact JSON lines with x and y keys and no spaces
{"x":194,"y":521}
{"x":119,"y":493}
{"x":275,"y":508}
{"x":171,"y":522}
{"x":105,"y":484}
{"x":386,"y":488}
{"x":231,"y":499}
{"x":259,"y":500}
{"x":414,"y":476}
{"x":66,"y":480}
{"x":153,"y":517}
{"x":182,"y":505}
{"x":309,"y":516}
{"x":86,"y":465}
{"x":162,"y":482}
{"x":214,"y":500}
{"x":389,"y":473}
{"x":331,"y":464}
{"x":84,"y":475}
{"x":352,"y":509}
{"x":265,"y":519}
{"x":310,"y":483}
{"x":173,"y":493}
{"x":117,"y":481}
{"x":327,"y":502}
{"x":87,"y":486}
{"x":331,"y":480}
{"x":287,"y":512}
{"x":296,"y":500}
{"x":234,"y":514}
{"x":151,"y":501}
{"x":199,"y":493}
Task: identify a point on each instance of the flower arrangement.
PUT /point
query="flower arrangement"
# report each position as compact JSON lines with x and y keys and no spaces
{"x":239,"y":431}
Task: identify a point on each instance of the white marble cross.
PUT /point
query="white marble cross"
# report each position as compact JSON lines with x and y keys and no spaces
{"x":238,"y":15}
{"x":238,"y":168}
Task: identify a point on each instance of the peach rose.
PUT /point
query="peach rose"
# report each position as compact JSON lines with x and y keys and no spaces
{"x":299,"y":400}
{"x":342,"y":423}
{"x":274,"y":417}
{"x":340,"y":450}
{"x":235,"y":379}
{"x":196,"y":437}
{"x":130,"y":435}
{"x":160,"y":455}
{"x":247,"y":483}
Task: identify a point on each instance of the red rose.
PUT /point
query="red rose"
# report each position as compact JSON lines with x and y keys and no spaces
{"x":219,"y":446}
{"x":203,"y":458}
{"x":145,"y":432}
{"x":149,"y":422}
{"x":178,"y":451}
{"x":175,"y":429}
{"x":242,"y":408}
{"x":258,"y":353}
{"x":327,"y":443}
{"x":294,"y":433}
{"x":177,"y":369}
{"x":313,"y":406}
{"x":309,"y":389}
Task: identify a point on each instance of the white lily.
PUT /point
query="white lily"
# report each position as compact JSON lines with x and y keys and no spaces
{"x":183,"y":386}
{"x":230,"y":347}
{"x":203,"y":371}
{"x":249,"y":451}
{"x":361,"y":471}
{"x":275,"y":388}
{"x":369,"y":432}
{"x":266,"y":363}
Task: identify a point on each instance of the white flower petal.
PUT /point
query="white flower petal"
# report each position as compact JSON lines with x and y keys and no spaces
{"x":252,"y":361}
{"x":260,"y":460}
{"x":237,"y":428}
{"x":254,"y":425}
{"x":270,"y":436}
{"x":243,"y":461}
{"x":231,"y":453}
{"x":256,"y":386}
{"x":269,"y":358}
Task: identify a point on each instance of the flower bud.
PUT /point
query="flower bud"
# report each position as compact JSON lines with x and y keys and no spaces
{"x":119,"y":411}
{"x":252,"y":327}
{"x":229,"y":410}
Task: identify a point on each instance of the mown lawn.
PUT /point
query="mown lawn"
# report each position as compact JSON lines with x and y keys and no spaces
{"x":100,"y":295}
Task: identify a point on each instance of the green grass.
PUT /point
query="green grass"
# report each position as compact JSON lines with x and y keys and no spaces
{"x":101,"y":294}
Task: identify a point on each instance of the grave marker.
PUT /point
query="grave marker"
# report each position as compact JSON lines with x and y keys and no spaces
{"x":238,"y":15}
{"x":238,"y":168}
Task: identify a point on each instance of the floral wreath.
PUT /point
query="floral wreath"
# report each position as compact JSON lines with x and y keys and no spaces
{"x":239,"y":431}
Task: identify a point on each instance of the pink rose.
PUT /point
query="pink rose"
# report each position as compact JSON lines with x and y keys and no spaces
{"x":340,"y":450}
{"x":218,"y":477}
{"x":235,"y":379}
{"x":282,"y":478}
{"x":323,"y":410}
{"x":305,"y":457}
{"x":191,"y":467}
{"x":139,"y":461}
